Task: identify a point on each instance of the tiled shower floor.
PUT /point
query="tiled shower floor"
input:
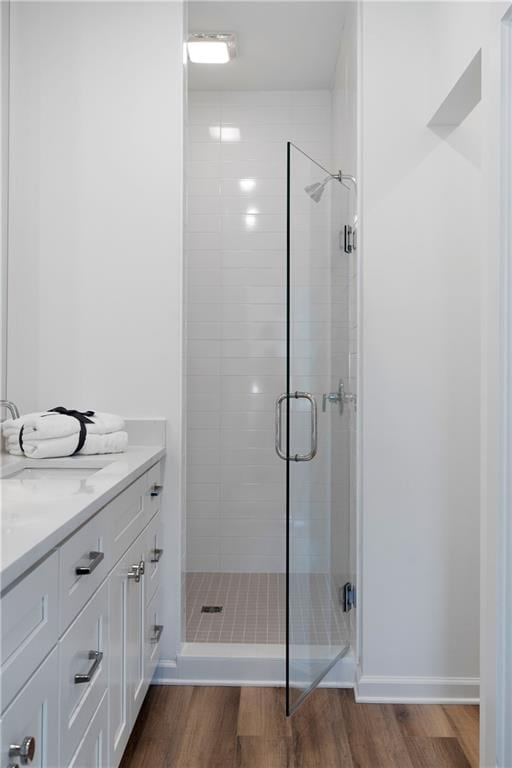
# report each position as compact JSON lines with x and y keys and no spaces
{"x":253,"y":609}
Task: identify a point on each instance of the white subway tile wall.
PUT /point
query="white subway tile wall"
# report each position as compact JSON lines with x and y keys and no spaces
{"x":235,"y":257}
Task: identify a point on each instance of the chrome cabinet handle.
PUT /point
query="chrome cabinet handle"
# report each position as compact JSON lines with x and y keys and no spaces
{"x":86,"y":677}
{"x":159,"y":628}
{"x":95,"y":559}
{"x":25,"y":751}
{"x":157,"y":554}
{"x":156,"y":490}
{"x":314,"y":427}
{"x":137,"y":571}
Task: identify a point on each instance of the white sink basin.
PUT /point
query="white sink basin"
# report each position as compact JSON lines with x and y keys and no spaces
{"x":54,"y":473}
{"x":74,"y":468}
{"x":33,"y":483}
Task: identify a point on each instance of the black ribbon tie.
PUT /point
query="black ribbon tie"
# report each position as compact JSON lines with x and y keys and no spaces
{"x":82,"y":417}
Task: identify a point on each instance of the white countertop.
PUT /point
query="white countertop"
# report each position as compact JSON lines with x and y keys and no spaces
{"x":38,"y":512}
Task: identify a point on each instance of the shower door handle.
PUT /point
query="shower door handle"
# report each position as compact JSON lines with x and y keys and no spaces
{"x":314,"y":427}
{"x":278,"y":430}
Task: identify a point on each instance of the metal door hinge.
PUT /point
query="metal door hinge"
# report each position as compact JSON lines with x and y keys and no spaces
{"x":347,"y":596}
{"x":349,"y":239}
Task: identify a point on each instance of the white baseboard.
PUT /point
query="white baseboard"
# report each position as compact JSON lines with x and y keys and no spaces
{"x":259,"y":665}
{"x":256,"y":666}
{"x":417,"y":690}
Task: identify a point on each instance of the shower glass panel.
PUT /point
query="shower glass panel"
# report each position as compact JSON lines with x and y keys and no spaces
{"x":315,"y":441}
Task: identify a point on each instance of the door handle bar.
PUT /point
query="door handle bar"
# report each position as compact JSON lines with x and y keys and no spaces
{"x":314,"y":426}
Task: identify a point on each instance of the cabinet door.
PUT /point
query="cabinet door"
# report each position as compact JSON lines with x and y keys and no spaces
{"x":88,"y":550}
{"x":127,"y":517}
{"x":153,"y":557}
{"x":92,"y":751}
{"x":154,"y":631}
{"x":33,"y":715}
{"x":136,"y":633}
{"x":126,"y":637}
{"x":153,"y":489}
{"x":28,"y":626}
{"x":83,"y":662}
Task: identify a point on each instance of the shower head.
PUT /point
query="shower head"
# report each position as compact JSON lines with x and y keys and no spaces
{"x":316,"y":190}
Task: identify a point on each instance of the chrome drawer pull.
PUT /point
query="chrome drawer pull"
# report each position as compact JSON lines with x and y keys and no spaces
{"x":159,"y":628}
{"x":157,"y":554}
{"x":95,"y":657}
{"x":156,"y":490}
{"x":136,"y":571}
{"x":25,"y":751}
{"x":95,"y":559}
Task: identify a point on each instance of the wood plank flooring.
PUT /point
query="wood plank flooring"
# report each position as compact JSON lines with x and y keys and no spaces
{"x":228,"y":727}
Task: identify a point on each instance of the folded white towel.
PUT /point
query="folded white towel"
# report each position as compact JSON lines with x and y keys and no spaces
{"x":35,"y":448}
{"x":48,"y":425}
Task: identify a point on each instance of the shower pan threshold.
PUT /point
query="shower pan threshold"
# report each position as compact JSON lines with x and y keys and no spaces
{"x":259,"y":664}
{"x":235,"y":650}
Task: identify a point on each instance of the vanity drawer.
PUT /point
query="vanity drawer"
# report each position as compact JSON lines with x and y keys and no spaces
{"x":83,"y":662}
{"x":153,"y":490}
{"x":34,"y":715}
{"x":153,"y":635}
{"x":153,"y":556}
{"x":92,"y":751}
{"x":84,"y":562}
{"x":29,"y":622}
{"x":127,"y":516}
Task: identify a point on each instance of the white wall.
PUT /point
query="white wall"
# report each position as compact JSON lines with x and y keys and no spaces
{"x":236,"y":270}
{"x":4,"y":175}
{"x":421,"y":358}
{"x":96,"y":219}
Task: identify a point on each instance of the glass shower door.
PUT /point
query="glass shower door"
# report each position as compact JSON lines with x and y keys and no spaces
{"x":315,"y":443}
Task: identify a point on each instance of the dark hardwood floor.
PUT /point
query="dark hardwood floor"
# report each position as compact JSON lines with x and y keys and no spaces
{"x":226,"y":727}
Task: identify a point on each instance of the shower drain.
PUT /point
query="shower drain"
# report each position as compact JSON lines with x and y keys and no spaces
{"x":211,"y":609}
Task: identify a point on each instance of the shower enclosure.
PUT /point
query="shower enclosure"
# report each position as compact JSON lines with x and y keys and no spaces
{"x":271,"y":410}
{"x":316,"y":408}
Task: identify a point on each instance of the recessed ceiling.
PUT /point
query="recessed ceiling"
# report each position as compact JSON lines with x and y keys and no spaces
{"x":281,"y":45}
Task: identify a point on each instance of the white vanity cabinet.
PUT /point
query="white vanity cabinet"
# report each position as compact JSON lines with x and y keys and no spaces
{"x":80,"y":638}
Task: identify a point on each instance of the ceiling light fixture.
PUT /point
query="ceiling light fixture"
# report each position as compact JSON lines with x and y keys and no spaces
{"x":211,"y":49}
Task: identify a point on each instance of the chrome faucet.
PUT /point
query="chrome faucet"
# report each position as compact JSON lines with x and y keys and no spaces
{"x":11,"y":407}
{"x":341,"y":397}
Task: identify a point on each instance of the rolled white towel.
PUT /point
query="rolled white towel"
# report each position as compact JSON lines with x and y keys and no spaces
{"x":34,"y":448}
{"x":48,"y":425}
